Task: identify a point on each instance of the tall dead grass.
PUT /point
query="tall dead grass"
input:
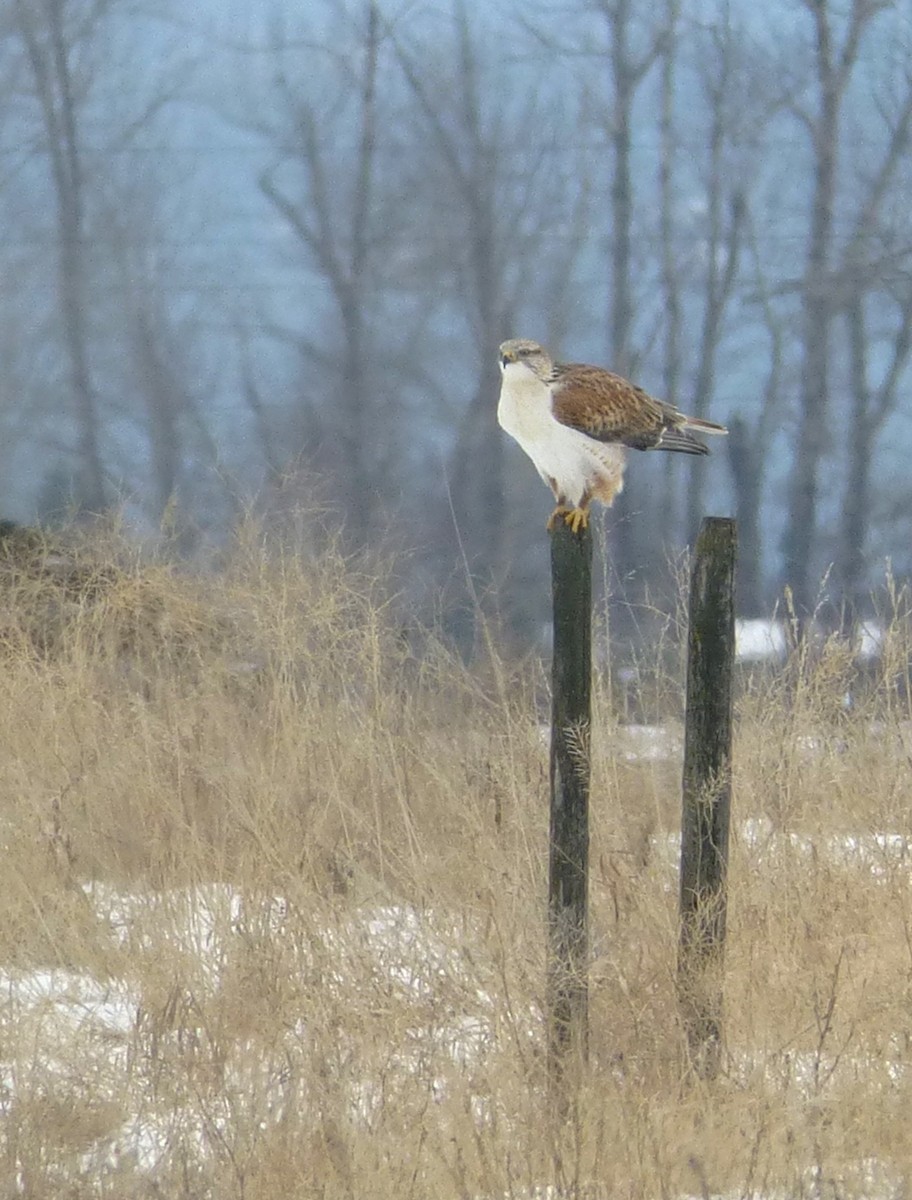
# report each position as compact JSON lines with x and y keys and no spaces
{"x":272,"y":905}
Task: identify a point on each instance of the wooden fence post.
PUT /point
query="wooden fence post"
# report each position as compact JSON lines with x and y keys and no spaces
{"x":568,"y":877}
{"x":707,"y":791}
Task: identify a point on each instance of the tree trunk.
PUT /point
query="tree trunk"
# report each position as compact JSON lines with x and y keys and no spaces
{"x":73,"y":305}
{"x":357,"y":458}
{"x":624,"y":550}
{"x":801,"y":533}
{"x":355,"y":467}
{"x":671,"y":288}
{"x":477,"y":474}
{"x":161,"y":415}
{"x":745,"y":463}
{"x":722,"y":254}
{"x":857,"y":496}
{"x":49,"y":58}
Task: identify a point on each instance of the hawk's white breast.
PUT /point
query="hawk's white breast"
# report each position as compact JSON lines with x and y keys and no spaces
{"x":566,"y":456}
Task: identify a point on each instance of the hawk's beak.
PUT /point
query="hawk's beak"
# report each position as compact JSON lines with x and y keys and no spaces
{"x":506,"y":358}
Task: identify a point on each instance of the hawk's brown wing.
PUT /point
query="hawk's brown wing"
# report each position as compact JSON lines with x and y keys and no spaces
{"x":608,"y":408}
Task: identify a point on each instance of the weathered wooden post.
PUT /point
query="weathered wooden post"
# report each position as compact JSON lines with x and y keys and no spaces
{"x":707,"y":791}
{"x":568,"y":879}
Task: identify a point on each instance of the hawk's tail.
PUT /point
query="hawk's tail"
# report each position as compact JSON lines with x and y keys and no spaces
{"x":678,"y":438}
{"x":703,"y":426}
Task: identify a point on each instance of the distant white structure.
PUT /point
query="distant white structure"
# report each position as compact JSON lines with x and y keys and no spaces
{"x":760,"y":640}
{"x":869,"y":640}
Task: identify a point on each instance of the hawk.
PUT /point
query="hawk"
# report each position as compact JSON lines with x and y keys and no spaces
{"x":576,"y":423}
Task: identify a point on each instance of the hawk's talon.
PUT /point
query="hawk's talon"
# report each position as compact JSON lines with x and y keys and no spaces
{"x":576,"y":518}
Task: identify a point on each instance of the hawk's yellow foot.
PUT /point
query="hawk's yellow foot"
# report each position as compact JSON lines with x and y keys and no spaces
{"x":577,"y":519}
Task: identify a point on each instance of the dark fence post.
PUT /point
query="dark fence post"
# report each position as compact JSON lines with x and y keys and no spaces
{"x":707,"y":791}
{"x":568,"y":879}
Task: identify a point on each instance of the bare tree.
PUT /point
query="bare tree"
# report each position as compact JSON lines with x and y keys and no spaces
{"x":332,"y":139}
{"x":629,"y":65}
{"x":504,"y":226}
{"x":752,"y":433}
{"x":670,"y":275}
{"x":53,"y":34}
{"x":819,"y":109}
{"x":703,"y":97}
{"x":467,"y":149}
{"x":169,"y":385}
{"x":69,"y":58}
{"x":871,"y":406}
{"x":723,"y":85}
{"x":632,"y":51}
{"x":875,"y":275}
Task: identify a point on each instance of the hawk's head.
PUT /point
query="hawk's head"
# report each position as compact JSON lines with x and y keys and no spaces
{"x":526,"y":353}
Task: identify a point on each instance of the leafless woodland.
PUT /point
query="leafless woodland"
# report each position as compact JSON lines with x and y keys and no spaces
{"x":262,"y":256}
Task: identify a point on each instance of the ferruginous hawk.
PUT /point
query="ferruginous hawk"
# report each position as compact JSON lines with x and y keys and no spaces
{"x":576,"y":423}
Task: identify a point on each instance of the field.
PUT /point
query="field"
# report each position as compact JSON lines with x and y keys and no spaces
{"x":272,"y":904}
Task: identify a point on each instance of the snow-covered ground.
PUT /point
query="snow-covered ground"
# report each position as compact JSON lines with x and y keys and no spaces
{"x":760,"y":640}
{"x":50,"y":1015}
{"x":75,"y":1034}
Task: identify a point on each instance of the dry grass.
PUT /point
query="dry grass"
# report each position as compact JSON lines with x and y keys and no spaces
{"x":271,"y":910}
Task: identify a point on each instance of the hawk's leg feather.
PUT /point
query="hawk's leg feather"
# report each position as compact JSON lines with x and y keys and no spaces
{"x":562,"y":510}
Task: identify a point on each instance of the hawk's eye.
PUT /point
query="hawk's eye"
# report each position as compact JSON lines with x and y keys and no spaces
{"x":523,"y":352}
